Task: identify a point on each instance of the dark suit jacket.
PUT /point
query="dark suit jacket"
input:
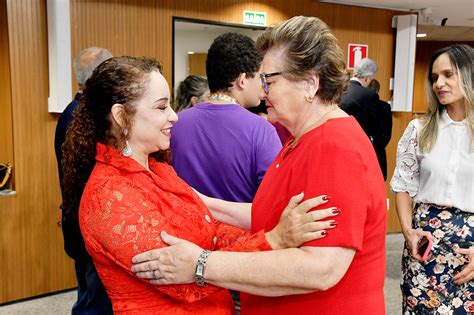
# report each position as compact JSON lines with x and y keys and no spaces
{"x":359,"y":102}
{"x":60,"y":136}
{"x":384,"y":119}
{"x":373,"y":115}
{"x":73,"y":241}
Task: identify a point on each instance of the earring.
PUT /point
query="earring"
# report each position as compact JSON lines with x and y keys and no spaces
{"x":127,"y":151}
{"x":309,"y":99}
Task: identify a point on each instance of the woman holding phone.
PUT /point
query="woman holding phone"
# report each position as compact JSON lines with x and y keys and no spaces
{"x":435,"y":171}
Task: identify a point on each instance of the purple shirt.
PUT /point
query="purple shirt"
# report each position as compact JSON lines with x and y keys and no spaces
{"x":223,"y":150}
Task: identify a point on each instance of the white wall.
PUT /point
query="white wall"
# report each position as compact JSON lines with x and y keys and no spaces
{"x":198,"y":42}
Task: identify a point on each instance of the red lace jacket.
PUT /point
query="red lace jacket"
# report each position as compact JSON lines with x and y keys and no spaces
{"x":123,"y":210}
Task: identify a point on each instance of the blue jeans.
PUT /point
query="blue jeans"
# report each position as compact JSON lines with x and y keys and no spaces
{"x":91,"y":295}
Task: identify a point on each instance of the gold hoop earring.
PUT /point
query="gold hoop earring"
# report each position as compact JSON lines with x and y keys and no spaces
{"x":309,"y":99}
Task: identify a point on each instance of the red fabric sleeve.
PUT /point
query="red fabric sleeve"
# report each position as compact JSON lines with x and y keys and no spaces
{"x":231,"y":238}
{"x":121,"y":222}
{"x":340,"y":173}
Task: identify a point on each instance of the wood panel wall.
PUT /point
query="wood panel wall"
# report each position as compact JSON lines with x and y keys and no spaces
{"x":197,"y":64}
{"x":151,"y":34}
{"x":6,"y":130}
{"x":32,"y":256}
{"x":33,"y":261}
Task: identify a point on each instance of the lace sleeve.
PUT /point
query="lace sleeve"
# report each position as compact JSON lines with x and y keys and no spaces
{"x":119,"y":221}
{"x":231,"y":238}
{"x":407,"y":170}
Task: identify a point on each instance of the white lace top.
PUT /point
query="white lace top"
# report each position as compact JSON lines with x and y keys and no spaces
{"x":444,"y":176}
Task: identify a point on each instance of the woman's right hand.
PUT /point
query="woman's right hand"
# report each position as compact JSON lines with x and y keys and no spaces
{"x":298,"y":226}
{"x":412,"y":237}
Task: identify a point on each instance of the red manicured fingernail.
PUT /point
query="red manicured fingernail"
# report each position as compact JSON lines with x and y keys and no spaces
{"x":324,"y":233}
{"x":333,"y":223}
{"x":336,"y":211}
{"x":326,"y":198}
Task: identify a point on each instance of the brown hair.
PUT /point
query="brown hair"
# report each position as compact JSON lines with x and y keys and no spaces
{"x":119,"y":80}
{"x":309,"y":46}
{"x":192,"y":86}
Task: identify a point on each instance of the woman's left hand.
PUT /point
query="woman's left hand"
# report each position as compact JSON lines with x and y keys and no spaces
{"x":298,"y":224}
{"x":467,"y":272}
{"x":174,"y":264}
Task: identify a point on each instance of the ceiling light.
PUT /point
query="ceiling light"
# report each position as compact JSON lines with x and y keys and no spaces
{"x":420,"y":35}
{"x":190,"y":52}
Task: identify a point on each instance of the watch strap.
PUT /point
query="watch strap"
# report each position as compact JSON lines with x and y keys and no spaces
{"x":201,"y":267}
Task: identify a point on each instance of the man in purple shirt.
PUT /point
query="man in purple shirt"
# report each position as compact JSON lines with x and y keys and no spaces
{"x":219,"y":147}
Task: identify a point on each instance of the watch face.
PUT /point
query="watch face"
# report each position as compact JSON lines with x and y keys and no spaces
{"x":199,"y":270}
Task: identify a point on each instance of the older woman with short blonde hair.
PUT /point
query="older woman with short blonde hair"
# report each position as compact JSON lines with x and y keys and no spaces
{"x":303,"y":79}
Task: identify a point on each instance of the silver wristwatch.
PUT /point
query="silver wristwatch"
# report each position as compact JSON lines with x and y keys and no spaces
{"x":201,"y":266}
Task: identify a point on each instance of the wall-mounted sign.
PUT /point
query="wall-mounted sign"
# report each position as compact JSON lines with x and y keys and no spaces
{"x":355,"y":53}
{"x":255,"y":18}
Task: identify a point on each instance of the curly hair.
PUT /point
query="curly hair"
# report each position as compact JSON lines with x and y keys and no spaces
{"x":119,"y":80}
{"x":461,"y":57}
{"x":193,"y":85}
{"x":308,"y":46}
{"x":230,"y":55}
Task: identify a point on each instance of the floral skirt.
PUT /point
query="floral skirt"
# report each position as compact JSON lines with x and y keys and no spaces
{"x":428,"y":287}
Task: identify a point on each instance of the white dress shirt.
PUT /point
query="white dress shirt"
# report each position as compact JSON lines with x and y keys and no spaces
{"x":444,"y":176}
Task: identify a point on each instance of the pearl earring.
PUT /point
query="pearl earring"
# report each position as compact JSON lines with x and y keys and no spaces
{"x":127,"y":151}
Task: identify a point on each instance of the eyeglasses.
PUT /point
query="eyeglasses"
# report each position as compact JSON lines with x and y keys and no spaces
{"x":263,"y":79}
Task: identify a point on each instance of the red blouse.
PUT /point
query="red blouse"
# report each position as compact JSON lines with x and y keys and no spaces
{"x":336,"y":159}
{"x":123,"y":210}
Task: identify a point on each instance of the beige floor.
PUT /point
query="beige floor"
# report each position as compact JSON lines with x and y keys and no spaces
{"x":61,"y":303}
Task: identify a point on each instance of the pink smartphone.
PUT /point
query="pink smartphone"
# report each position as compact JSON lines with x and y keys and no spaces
{"x":424,"y":247}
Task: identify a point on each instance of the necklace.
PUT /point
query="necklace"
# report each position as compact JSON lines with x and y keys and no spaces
{"x":224,"y":98}
{"x":292,"y":143}
{"x":295,"y":140}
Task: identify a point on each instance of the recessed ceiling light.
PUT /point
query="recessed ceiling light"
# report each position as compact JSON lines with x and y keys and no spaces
{"x":421,"y":35}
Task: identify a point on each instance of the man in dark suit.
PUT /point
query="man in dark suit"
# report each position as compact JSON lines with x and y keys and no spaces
{"x":360,"y":102}
{"x":91,"y":295}
{"x":384,"y":119}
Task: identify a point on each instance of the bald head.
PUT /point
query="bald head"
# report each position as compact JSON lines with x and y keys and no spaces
{"x":87,"y":60}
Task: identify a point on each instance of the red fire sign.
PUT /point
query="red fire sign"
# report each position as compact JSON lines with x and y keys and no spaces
{"x":355,"y":53}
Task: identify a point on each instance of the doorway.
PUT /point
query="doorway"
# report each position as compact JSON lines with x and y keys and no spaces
{"x":191,"y":41}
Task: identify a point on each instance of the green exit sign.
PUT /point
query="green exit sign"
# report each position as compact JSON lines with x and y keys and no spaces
{"x":255,"y":18}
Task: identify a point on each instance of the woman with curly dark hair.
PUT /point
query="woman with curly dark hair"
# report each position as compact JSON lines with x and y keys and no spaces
{"x":116,"y":175}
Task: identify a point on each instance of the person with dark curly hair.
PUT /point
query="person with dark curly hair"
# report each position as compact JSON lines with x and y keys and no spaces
{"x":117,"y":181}
{"x":220,"y":148}
{"x":190,"y":91}
{"x":303,"y":80}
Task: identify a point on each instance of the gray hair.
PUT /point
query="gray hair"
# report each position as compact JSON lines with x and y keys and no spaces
{"x":365,"y":68}
{"x":87,"y":60}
